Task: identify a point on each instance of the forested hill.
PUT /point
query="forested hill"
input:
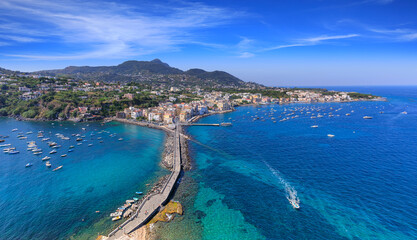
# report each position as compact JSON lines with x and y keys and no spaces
{"x":152,"y":72}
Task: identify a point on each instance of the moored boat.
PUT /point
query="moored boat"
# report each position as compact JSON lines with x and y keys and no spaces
{"x":29,"y":165}
{"x":46,"y":158}
{"x":57,"y":168}
{"x":48,"y":164}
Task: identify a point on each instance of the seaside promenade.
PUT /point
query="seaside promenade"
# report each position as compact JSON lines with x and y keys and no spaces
{"x":151,"y":205}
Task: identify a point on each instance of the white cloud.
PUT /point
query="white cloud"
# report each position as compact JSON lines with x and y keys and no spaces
{"x":398,"y":34}
{"x":246,"y":55}
{"x":312,"y":41}
{"x":109,"y":29}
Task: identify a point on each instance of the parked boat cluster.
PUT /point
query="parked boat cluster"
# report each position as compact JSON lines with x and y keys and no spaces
{"x":311,"y":112}
{"x":50,"y":147}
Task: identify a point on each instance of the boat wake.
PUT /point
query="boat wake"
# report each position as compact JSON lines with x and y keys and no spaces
{"x":290,"y":192}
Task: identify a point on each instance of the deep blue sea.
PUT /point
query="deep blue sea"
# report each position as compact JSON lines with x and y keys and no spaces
{"x":359,"y":184}
{"x":37,"y":203}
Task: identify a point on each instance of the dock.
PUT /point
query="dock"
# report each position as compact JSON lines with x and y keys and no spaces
{"x":152,"y":204}
{"x":202,"y":124}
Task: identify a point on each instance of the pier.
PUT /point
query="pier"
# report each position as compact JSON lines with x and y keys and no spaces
{"x":151,"y":205}
{"x":202,"y":124}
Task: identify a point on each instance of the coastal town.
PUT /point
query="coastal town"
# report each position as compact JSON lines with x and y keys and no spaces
{"x":39,"y":97}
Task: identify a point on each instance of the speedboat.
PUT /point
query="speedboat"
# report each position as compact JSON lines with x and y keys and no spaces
{"x":120,"y":139}
{"x":330,"y":135}
{"x":404,"y":112}
{"x":294,"y":203}
{"x":52,"y":152}
{"x":63,"y":155}
{"x":29,"y":165}
{"x":46,"y":158}
{"x":70,"y":150}
{"x":367,"y":117}
{"x":37,"y":153}
{"x":139,"y":193}
{"x":90,"y":144}
{"x":71,"y":146}
{"x":315,"y":126}
{"x":14,"y":130}
{"x":116,"y":218}
{"x":48,"y":164}
{"x":13,"y":152}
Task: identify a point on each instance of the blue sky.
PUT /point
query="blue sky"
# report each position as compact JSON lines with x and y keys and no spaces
{"x":277,"y":43}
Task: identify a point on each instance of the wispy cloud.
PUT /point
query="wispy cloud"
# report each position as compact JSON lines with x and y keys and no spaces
{"x":312,"y":41}
{"x":108,"y":29}
{"x":397,"y":34}
{"x":244,"y":46}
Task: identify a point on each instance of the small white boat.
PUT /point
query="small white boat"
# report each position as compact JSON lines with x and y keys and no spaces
{"x":315,"y":126}
{"x":46,"y":158}
{"x":120,"y":139}
{"x":330,"y":135}
{"x":57,"y":168}
{"x":404,"y":112}
{"x":63,"y":155}
{"x":29,"y":165}
{"x":14,"y":130}
{"x":367,"y":117}
{"x":48,"y":164}
{"x":52,"y":152}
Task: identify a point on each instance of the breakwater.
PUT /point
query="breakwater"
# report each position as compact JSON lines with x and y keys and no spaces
{"x":152,"y":203}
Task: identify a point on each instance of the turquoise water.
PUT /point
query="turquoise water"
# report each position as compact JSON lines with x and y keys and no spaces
{"x":36,"y":203}
{"x":360,"y":184}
